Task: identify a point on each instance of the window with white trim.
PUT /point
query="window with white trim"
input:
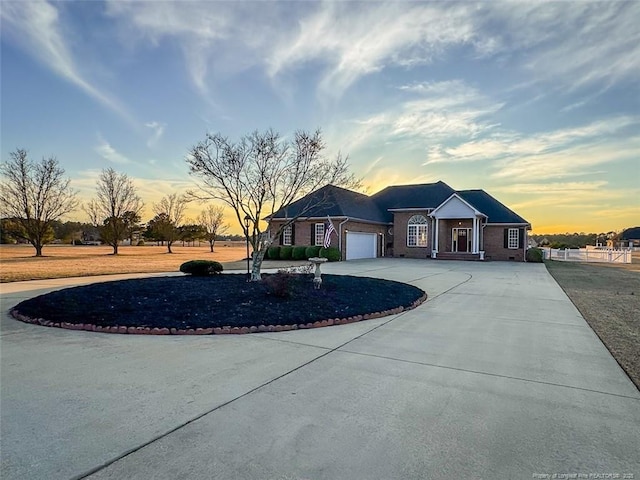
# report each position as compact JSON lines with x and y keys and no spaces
{"x":286,"y":235}
{"x":417,"y":231}
{"x":319,"y":240}
{"x":513,"y":238}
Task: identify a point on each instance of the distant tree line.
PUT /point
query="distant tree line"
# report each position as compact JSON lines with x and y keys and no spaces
{"x":71,"y":232}
{"x":574,"y":240}
{"x":34,"y":196}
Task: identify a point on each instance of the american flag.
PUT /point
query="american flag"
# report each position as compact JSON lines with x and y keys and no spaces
{"x":327,"y":233}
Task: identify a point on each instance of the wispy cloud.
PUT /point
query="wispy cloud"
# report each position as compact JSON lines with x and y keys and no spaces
{"x":557,"y":153}
{"x":158,"y":131}
{"x":36,"y":26}
{"x":433,"y":113}
{"x":564,"y":44}
{"x":568,"y":45}
{"x":106,"y":151}
{"x":352,"y":42}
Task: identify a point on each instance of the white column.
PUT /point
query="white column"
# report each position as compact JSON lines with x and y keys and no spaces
{"x":435,"y":244}
{"x":474,"y":245}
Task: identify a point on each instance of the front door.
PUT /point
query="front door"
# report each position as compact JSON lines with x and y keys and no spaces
{"x":460,"y":239}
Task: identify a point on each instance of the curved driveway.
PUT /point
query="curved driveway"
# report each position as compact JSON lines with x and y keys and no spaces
{"x":497,"y":375}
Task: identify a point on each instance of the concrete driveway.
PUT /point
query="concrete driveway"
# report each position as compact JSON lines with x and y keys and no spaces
{"x":497,"y":375}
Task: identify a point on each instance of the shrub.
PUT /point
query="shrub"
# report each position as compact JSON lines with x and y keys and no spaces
{"x":312,"y":251}
{"x":201,"y":268}
{"x":273,"y":253}
{"x":278,"y":284}
{"x":534,"y":255}
{"x":285,"y":253}
{"x":141,"y":243}
{"x":77,"y":242}
{"x":332,"y":254}
{"x":299,"y":253}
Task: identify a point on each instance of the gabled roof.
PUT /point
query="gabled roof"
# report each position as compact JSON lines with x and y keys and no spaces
{"x":492,"y":208}
{"x":630,"y":234}
{"x":427,"y":195}
{"x":335,"y":202}
{"x":457,"y":199}
{"x":340,"y":202}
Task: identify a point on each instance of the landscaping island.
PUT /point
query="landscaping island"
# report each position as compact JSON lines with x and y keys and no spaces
{"x":218,"y":304}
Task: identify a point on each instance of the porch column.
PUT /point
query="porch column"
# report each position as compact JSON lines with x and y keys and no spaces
{"x":435,"y":243}
{"x":474,"y":246}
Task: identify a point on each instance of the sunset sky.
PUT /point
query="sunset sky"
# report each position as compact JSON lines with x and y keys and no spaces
{"x":536,"y":103}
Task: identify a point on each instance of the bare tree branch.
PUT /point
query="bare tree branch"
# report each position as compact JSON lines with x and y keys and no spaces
{"x":35,"y":195}
{"x":262,"y":174}
{"x":116,"y":200}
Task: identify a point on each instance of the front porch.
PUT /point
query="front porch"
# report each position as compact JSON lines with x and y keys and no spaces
{"x":457,"y":231}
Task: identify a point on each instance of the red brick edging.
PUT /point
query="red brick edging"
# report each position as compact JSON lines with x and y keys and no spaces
{"x":214,"y":330}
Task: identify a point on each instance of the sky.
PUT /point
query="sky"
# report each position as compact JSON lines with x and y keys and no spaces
{"x":536,"y":103}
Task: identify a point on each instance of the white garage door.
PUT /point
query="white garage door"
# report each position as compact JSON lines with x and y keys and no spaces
{"x":361,"y":245}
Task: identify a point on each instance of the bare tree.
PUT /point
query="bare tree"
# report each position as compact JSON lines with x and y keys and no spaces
{"x":262,"y":174}
{"x":117,"y":201}
{"x":211,"y":219}
{"x":35,"y":195}
{"x":169,"y":216}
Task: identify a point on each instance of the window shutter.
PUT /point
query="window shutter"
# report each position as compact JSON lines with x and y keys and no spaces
{"x":521,"y":238}
{"x":506,"y":238}
{"x":312,"y":235}
{"x":281,"y":237}
{"x":293,"y":234}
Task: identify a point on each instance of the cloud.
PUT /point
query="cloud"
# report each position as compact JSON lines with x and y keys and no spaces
{"x":225,"y":38}
{"x":352,"y":42}
{"x":558,"y":153}
{"x":36,"y":26}
{"x":565,"y":44}
{"x":434,"y":112}
{"x":569,"y":44}
{"x":106,"y":151}
{"x":158,"y":131}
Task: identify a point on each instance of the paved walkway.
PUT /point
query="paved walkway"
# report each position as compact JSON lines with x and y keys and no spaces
{"x":497,"y":375}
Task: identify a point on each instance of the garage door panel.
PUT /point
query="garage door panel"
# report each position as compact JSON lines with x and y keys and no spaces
{"x":361,"y":245}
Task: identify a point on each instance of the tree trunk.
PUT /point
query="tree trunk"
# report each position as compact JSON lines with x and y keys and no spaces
{"x":258,"y":257}
{"x":38,"y":248}
{"x":115,"y":248}
{"x":211,"y":245}
{"x":169,"y":247}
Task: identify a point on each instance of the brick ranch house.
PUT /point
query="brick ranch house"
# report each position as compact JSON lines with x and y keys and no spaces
{"x":414,"y":221}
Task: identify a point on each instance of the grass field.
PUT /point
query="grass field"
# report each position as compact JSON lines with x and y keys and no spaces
{"x":608,"y":296}
{"x":17,"y":262}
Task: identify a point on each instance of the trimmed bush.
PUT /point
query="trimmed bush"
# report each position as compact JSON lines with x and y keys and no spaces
{"x":534,"y":255}
{"x":285,"y":252}
{"x":278,"y":284}
{"x":312,"y":251}
{"x":201,"y":268}
{"x":299,"y":253}
{"x":141,"y":243}
{"x":332,"y":254}
{"x":273,"y":253}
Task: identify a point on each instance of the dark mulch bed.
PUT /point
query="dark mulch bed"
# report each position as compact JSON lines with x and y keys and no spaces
{"x":217,"y":301}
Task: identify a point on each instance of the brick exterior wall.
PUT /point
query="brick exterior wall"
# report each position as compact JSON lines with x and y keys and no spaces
{"x":494,"y":245}
{"x":400,"y":248}
{"x":395,"y":244}
{"x":302,"y":234}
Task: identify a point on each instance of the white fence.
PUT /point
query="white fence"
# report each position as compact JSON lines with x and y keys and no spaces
{"x":589,"y":254}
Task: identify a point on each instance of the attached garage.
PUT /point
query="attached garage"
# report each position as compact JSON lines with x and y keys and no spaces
{"x":361,"y":245}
